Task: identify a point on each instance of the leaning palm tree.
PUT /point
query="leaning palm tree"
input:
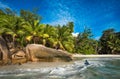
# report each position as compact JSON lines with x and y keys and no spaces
{"x":64,"y":39}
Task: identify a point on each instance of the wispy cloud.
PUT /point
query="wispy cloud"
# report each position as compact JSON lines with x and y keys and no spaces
{"x":75,"y":34}
{"x":61,"y":21}
{"x":63,"y":18}
{"x":3,"y":5}
{"x":61,"y":14}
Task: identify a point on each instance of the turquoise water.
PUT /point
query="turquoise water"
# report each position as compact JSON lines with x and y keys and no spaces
{"x":99,"y":68}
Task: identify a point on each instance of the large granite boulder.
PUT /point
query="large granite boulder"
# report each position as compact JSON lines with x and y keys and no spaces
{"x":20,"y":54}
{"x":4,"y":51}
{"x":36,"y":52}
{"x":18,"y":57}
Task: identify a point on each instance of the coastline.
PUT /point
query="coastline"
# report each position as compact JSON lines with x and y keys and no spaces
{"x":34,"y":65}
{"x":84,"y":56}
{"x":56,"y":70}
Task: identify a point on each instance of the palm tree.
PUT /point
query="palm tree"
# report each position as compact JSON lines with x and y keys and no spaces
{"x":31,"y":25}
{"x":30,"y":17}
{"x":84,"y":43}
{"x":48,"y":35}
{"x":10,"y":25}
{"x":64,"y":39}
{"x":110,"y":42}
{"x":32,"y":31}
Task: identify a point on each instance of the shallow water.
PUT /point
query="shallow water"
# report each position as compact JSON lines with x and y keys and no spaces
{"x":99,"y":68}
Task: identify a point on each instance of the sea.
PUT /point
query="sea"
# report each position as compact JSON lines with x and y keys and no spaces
{"x":98,"y":68}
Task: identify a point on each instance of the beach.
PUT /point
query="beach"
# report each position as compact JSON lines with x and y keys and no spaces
{"x":35,"y":65}
{"x":82,"y":56}
{"x":100,"y":66}
{"x":56,"y":64}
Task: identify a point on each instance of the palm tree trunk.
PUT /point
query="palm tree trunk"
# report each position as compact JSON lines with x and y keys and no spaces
{"x":13,"y":42}
{"x":44,"y":42}
{"x":5,"y":51}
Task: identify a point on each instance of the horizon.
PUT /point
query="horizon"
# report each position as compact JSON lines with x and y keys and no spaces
{"x":98,"y":15}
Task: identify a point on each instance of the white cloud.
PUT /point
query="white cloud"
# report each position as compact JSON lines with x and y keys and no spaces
{"x":2,"y":5}
{"x":75,"y":34}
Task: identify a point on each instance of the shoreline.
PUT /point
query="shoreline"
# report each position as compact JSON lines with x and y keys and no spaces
{"x":94,"y":56}
{"x":34,"y":65}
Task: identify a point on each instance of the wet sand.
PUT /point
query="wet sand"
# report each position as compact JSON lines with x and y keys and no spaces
{"x":34,"y":65}
{"x":44,"y":64}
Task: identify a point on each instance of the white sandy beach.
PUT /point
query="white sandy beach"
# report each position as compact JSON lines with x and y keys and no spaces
{"x":79,"y":55}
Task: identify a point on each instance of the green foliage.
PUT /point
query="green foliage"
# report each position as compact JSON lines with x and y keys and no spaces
{"x":10,"y":25}
{"x":48,"y":35}
{"x":29,"y":16}
{"x":26,"y":28}
{"x":64,"y":37}
{"x":110,"y":42}
{"x":84,"y":44}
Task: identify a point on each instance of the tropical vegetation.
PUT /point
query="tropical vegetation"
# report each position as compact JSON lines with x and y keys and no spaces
{"x":26,"y":28}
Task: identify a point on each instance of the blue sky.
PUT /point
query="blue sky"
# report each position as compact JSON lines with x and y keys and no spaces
{"x":95,"y":14}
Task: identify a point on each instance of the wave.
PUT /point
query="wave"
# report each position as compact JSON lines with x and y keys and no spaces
{"x":106,"y":68}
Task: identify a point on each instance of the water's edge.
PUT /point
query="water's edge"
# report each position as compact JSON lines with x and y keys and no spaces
{"x":99,"y":68}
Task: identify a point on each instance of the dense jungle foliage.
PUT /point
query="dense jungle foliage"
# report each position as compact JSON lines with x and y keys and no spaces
{"x":26,"y":28}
